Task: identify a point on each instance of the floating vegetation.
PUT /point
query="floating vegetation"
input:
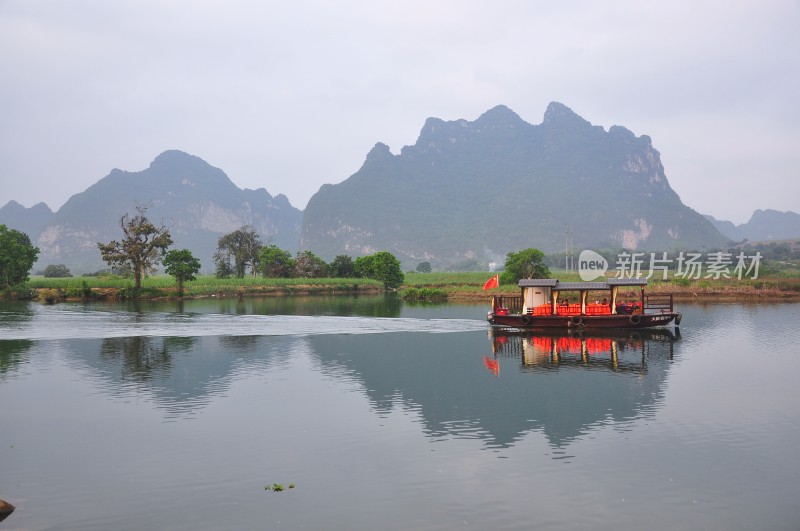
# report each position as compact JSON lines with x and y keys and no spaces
{"x":277,"y":487}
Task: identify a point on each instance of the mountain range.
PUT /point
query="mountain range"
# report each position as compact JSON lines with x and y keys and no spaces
{"x":763,"y":225}
{"x":477,"y":190}
{"x":465,"y":191}
{"x":198,"y":203}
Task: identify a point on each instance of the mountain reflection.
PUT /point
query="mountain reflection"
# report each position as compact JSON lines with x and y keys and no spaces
{"x":561,"y":386}
{"x":181,"y":374}
{"x":545,"y":384}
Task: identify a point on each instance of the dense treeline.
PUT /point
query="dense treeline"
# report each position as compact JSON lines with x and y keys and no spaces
{"x":242,"y":253}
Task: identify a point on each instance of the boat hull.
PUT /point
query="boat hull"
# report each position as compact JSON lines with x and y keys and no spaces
{"x":533,"y":322}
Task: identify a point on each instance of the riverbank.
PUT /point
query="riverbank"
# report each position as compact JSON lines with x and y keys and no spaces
{"x":453,"y":287}
{"x":467,"y":287}
{"x":52,"y":290}
{"x":706,"y":295}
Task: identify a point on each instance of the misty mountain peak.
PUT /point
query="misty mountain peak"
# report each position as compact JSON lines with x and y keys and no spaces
{"x":173,"y":159}
{"x":500,"y":116}
{"x":175,"y":166}
{"x":438,"y":135}
{"x":28,"y":220}
{"x":558,"y":114}
{"x":196,"y":200}
{"x":432,"y":202}
{"x":763,"y":225}
{"x":379,"y":151}
{"x":12,"y":208}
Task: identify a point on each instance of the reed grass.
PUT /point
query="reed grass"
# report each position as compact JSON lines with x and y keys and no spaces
{"x":424,"y":294}
{"x":203,"y":285}
{"x":442,"y":279}
{"x":784,"y":284}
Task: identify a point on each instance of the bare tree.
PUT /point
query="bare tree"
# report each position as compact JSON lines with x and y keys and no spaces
{"x":141,"y":248}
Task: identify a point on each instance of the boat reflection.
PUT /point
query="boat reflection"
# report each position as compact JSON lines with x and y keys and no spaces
{"x":623,"y":350}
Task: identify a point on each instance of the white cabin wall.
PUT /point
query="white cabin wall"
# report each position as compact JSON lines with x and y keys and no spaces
{"x":533,"y":297}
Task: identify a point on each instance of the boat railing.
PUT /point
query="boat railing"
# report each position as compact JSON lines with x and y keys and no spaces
{"x":658,"y":303}
{"x":568,"y":309}
{"x":509,"y":302}
{"x":598,"y":309}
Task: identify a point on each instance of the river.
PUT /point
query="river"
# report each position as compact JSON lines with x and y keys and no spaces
{"x":382,"y":415}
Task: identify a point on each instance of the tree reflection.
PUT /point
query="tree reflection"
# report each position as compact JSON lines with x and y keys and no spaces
{"x":15,"y":313}
{"x":385,"y":305}
{"x":180,"y":374}
{"x":13,"y":352}
{"x":241,"y":344}
{"x":144,"y":358}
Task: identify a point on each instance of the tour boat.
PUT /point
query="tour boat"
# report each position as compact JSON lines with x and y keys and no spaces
{"x":545,"y":303}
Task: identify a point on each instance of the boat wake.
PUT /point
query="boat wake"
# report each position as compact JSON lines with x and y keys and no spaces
{"x":91,"y":324}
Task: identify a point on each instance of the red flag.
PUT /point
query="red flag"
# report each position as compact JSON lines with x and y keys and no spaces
{"x":493,"y":282}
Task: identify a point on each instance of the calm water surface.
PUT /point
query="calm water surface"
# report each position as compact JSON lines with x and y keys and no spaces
{"x":386,"y":416}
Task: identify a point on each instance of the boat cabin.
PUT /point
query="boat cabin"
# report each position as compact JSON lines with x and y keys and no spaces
{"x":547,"y":302}
{"x":545,"y":296}
{"x":549,"y":296}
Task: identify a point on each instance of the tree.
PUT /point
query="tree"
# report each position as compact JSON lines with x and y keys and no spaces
{"x":56,"y":271}
{"x":142,"y":246}
{"x":381,"y":266}
{"x":181,"y":265}
{"x":275,"y":262}
{"x":528,"y":263}
{"x":342,"y":267}
{"x":243,"y":247}
{"x":309,"y":265}
{"x":222,"y":265}
{"x":424,"y":267}
{"x":17,"y":256}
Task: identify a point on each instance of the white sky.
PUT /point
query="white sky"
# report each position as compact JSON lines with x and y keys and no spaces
{"x":291,"y":95}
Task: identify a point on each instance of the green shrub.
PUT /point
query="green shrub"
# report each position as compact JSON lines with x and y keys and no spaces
{"x":130,"y":292}
{"x":56,"y":271}
{"x":424,"y":294}
{"x":79,"y":290}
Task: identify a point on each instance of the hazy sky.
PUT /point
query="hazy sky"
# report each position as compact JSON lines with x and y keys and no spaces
{"x":291,"y":95}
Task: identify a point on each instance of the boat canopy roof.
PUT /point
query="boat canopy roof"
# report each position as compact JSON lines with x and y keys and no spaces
{"x":557,"y":285}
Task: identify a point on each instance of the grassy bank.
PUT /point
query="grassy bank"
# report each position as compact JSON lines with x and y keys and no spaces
{"x":465,"y":287}
{"x":162,"y":286}
{"x":468,"y":286}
